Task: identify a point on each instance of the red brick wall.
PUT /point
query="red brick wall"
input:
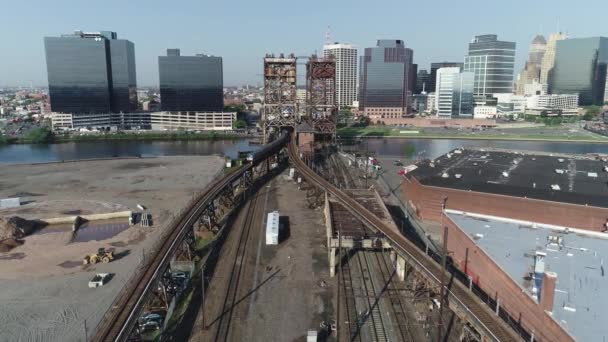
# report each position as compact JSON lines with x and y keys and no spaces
{"x":494,"y":281}
{"x":428,"y":201}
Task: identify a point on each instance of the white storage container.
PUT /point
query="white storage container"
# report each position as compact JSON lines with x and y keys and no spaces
{"x":272,"y":228}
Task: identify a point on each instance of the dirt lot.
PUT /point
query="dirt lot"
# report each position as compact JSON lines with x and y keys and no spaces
{"x":43,"y":286}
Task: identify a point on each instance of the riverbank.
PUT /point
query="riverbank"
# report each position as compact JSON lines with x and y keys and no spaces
{"x":549,"y":134}
{"x":126,"y":136}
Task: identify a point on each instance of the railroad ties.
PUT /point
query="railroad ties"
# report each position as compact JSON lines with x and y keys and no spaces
{"x":489,"y":325}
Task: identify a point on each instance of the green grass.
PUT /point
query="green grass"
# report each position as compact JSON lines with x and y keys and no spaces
{"x":379,"y":131}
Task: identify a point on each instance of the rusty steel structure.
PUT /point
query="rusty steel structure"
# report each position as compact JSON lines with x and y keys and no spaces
{"x":153,"y":286}
{"x":321,"y":108}
{"x":280,"y":107}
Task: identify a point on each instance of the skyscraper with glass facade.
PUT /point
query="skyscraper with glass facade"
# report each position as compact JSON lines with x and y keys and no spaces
{"x":423,"y":80}
{"x":432,"y":87}
{"x":454,"y":95}
{"x":384,"y":83}
{"x":580,"y":68}
{"x":492,"y":62}
{"x":90,"y":73}
{"x":190,"y":83}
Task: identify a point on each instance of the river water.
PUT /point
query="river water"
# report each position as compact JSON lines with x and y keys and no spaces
{"x":427,"y":148}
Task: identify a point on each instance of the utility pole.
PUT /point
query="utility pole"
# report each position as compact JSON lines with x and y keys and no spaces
{"x":203,"y":296}
{"x":443,"y":293}
{"x":340,"y":275}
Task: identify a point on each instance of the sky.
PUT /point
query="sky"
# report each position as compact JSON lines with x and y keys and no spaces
{"x":243,"y":31}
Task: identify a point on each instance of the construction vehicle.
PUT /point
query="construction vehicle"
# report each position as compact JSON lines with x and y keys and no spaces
{"x":102,"y":255}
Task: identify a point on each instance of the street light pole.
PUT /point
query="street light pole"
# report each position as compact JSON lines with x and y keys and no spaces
{"x":203,"y":296}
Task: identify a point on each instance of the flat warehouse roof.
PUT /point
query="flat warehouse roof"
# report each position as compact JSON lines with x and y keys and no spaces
{"x":575,"y":179}
{"x":581,"y":301}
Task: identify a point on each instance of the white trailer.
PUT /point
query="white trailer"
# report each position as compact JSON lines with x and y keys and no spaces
{"x":272,"y":228}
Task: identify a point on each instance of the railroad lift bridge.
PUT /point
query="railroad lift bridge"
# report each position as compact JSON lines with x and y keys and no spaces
{"x":151,"y":286}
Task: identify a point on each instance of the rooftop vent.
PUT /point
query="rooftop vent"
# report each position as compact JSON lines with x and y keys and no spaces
{"x":555,"y":187}
{"x":445,"y":175}
{"x":505,"y":174}
{"x":475,"y":164}
{"x":533,"y":158}
{"x":561,"y":160}
{"x":560,"y":171}
{"x":458,"y":175}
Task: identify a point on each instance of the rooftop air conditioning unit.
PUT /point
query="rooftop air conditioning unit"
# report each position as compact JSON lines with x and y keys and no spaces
{"x":555,"y":187}
{"x":445,"y":175}
{"x":505,"y":174}
{"x":560,"y":171}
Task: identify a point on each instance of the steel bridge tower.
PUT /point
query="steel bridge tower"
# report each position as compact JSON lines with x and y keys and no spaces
{"x":280,"y":97}
{"x":321,"y":108}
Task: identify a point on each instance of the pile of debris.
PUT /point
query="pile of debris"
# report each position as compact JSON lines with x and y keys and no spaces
{"x":14,"y":228}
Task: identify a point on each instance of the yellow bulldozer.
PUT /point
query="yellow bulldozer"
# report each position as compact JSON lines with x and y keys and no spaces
{"x":102,"y":255}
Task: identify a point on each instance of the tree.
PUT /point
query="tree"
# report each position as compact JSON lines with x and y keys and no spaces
{"x":592,"y":111}
{"x":344,"y":115}
{"x":39,"y":136}
{"x":364,"y":121}
{"x":588,"y":116}
{"x":409,"y":151}
{"x":544,"y":114}
{"x":239,"y":124}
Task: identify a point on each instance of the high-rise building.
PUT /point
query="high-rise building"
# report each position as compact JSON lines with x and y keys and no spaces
{"x":91,"y":72}
{"x":384,"y":80}
{"x":492,"y":61}
{"x":432,"y":87}
{"x":546,"y":65}
{"x":346,"y":72}
{"x":454,"y":97}
{"x":190,"y":83}
{"x":423,"y":82}
{"x":580,"y":68}
{"x":531,"y":71}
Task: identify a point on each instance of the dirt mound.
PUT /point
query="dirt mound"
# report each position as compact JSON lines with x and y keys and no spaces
{"x":7,"y":244}
{"x":15,"y":227}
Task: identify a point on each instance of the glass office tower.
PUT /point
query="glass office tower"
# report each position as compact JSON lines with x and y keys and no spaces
{"x":190,"y":83}
{"x":124,"y":83}
{"x":91,"y":72}
{"x":432,"y":86}
{"x":423,"y":80}
{"x":385,"y":75}
{"x":580,"y":68}
{"x":492,"y":61}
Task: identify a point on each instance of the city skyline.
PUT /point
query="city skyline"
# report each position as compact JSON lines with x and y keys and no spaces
{"x":22,"y":60}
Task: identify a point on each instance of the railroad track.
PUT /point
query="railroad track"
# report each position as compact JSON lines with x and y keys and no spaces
{"x":372,"y":297}
{"x":230,"y":300}
{"x":119,"y":320}
{"x":350,"y":303}
{"x":492,"y":326}
{"x":388,"y":275}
